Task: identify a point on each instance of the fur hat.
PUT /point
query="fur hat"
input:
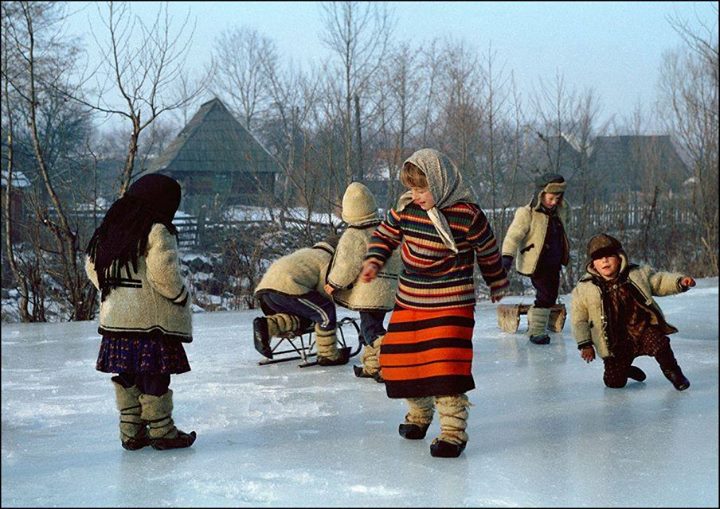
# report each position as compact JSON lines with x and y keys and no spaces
{"x":550,"y":183}
{"x":602,"y":245}
{"x":358,"y":205}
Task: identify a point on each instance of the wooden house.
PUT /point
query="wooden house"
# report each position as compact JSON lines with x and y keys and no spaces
{"x":626,"y":164}
{"x":218,"y":162}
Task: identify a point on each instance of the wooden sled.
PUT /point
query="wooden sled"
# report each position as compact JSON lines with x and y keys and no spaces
{"x":508,"y":316}
{"x":293,"y":345}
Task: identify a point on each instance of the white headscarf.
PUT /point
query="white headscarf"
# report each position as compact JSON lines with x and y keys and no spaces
{"x":446,"y":186}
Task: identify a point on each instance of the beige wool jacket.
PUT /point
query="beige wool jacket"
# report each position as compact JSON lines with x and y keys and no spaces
{"x":589,"y":322}
{"x":346,"y":265}
{"x":152,"y":302}
{"x":298,"y":273}
{"x":526,"y":235}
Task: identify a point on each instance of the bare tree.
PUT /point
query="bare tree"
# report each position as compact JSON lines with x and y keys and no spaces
{"x":358,"y":33}
{"x":689,"y":88}
{"x":42,"y":62}
{"x":247,"y":60}
{"x":141,"y":63}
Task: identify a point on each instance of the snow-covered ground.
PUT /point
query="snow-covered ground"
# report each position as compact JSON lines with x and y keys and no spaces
{"x":544,"y":431}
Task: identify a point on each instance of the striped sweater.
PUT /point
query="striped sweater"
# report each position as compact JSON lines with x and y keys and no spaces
{"x":434,"y":277}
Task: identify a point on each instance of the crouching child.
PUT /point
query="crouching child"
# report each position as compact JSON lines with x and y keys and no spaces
{"x":615,"y":315}
{"x":292,"y":297}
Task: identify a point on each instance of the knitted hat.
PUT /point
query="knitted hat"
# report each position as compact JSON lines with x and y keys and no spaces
{"x":602,"y":245}
{"x":358,"y":204}
{"x":159,"y":193}
{"x":551,"y":183}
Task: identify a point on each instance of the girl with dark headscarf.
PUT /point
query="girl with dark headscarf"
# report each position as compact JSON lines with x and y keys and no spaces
{"x":145,"y":314}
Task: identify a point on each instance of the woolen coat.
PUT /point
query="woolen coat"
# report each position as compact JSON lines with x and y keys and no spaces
{"x":298,"y":273}
{"x":346,"y":265}
{"x":589,"y":319}
{"x":152,"y":302}
{"x":525,"y":237}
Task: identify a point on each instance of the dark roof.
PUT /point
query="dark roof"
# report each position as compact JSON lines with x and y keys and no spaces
{"x":623,"y":154}
{"x":214,"y":141}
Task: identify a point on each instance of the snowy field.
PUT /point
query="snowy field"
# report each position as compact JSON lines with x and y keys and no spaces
{"x":544,"y":431}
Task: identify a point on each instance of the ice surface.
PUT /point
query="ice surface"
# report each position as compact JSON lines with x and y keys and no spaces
{"x":544,"y":431}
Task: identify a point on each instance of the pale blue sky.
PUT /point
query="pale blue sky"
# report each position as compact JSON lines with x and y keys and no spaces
{"x":614,"y":47}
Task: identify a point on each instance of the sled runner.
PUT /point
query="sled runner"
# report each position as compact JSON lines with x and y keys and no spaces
{"x":301,"y":345}
{"x":508,"y":316}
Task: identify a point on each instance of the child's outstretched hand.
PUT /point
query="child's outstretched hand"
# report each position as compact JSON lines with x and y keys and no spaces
{"x":588,"y":354}
{"x":687,"y":282}
{"x":369,"y":271}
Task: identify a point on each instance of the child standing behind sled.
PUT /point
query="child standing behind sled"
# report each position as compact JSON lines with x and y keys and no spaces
{"x":613,"y":312}
{"x":537,"y":238}
{"x":373,"y":300}
{"x":145,"y":314}
{"x":426,"y":355}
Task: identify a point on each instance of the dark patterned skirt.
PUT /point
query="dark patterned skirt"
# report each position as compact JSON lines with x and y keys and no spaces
{"x":147,"y":356}
{"x":428,"y":352}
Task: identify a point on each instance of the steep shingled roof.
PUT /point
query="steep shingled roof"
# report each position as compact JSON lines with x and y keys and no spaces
{"x":214,"y":141}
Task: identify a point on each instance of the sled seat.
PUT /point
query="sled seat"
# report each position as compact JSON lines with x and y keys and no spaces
{"x":301,"y":345}
{"x":508,"y":316}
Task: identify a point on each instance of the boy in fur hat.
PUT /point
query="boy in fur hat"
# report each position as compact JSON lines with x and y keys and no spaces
{"x":145,"y":315}
{"x":426,"y":355}
{"x":373,"y":300}
{"x":292,"y":296}
{"x":613,"y":312}
{"x":537,"y":239}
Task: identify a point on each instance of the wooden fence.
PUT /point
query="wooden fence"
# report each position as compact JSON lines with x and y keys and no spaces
{"x":609,"y":217}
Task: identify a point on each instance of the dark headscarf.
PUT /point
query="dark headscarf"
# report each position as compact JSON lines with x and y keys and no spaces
{"x":122,"y":236}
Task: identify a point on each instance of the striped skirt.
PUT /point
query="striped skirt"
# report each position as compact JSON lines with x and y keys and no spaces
{"x":428,"y":352}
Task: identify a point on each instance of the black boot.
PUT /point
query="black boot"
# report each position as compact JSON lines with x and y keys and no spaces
{"x":413,"y":431}
{"x":442,"y":449}
{"x":679,"y":381}
{"x":540,"y":339}
{"x":261,"y":337}
{"x":360,"y":372}
{"x":181,"y":440}
{"x":343,"y":358}
{"x":671,"y":369}
{"x":636,"y":374}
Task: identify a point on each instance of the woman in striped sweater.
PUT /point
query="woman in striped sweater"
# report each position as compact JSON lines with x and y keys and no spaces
{"x":426,"y":356}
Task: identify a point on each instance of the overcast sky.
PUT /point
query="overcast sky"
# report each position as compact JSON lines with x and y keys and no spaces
{"x":615,"y":48}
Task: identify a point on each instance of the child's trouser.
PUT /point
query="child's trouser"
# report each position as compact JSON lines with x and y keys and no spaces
{"x":654,"y":345}
{"x":312,"y":306}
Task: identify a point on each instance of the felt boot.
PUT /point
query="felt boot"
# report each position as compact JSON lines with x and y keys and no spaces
{"x":133,"y":431}
{"x":537,"y":325}
{"x":370,"y":361}
{"x":157,"y":411}
{"x":418,"y":419}
{"x":282,"y":324}
{"x":328,"y":353}
{"x":453,"y":422}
